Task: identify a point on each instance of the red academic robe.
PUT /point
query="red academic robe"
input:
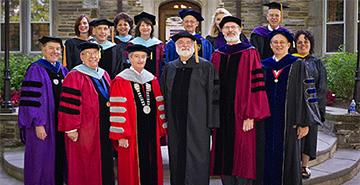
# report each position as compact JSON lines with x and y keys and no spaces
{"x":249,"y":102}
{"x":84,"y":155}
{"x":122,"y":97}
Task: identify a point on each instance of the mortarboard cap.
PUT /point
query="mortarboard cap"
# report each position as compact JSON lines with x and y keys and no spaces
{"x":275,"y":5}
{"x":98,"y":22}
{"x":144,"y":15}
{"x":285,"y":33}
{"x":138,"y":47}
{"x":185,"y":12}
{"x":227,"y":19}
{"x":46,"y":39}
{"x":88,"y":45}
{"x":183,"y":34}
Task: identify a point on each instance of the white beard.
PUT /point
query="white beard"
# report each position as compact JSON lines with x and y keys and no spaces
{"x":232,"y":39}
{"x":185,"y":53}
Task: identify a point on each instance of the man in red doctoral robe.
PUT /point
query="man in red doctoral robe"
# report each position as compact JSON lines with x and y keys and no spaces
{"x":243,"y":101}
{"x":137,"y":116}
{"x":84,"y":117}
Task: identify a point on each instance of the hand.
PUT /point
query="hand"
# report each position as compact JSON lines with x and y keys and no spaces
{"x":302,"y":132}
{"x":123,"y":143}
{"x":40,"y":132}
{"x":248,"y":125}
{"x":73,"y":135}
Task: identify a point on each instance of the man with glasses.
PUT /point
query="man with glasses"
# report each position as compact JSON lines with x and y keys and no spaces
{"x":243,"y":102}
{"x":260,"y":35}
{"x":192,"y":109}
{"x":191,"y":20}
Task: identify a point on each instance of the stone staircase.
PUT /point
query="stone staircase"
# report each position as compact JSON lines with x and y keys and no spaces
{"x":332,"y":167}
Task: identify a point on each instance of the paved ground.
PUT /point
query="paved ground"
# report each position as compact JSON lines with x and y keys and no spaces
{"x":5,"y":179}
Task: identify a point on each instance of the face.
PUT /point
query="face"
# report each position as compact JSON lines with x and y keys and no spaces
{"x":52,"y":51}
{"x":274,"y":17}
{"x":84,"y":26}
{"x":101,"y":33}
{"x":145,"y":29}
{"x":138,"y":60}
{"x":231,"y":32}
{"x":218,"y":19}
{"x":190,"y":23}
{"x":303,"y":45}
{"x":123,"y":27}
{"x":90,"y":57}
{"x":279,"y":45}
{"x":184,"y":47}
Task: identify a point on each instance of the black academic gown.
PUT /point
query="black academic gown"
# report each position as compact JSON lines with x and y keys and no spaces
{"x":73,"y":52}
{"x":112,"y":60}
{"x":316,"y":69}
{"x":292,"y":105}
{"x":192,"y":110}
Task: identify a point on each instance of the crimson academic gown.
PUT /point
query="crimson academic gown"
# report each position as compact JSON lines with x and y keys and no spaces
{"x":128,"y":122}
{"x":80,"y":109}
{"x":242,"y":96}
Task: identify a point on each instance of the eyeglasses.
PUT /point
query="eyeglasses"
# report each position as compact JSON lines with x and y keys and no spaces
{"x":277,"y":42}
{"x":230,"y":27}
{"x":182,"y":43}
{"x":189,"y":22}
{"x":91,"y":54}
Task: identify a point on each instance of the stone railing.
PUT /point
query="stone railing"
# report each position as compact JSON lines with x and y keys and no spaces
{"x":346,"y":127}
{"x":9,"y":131}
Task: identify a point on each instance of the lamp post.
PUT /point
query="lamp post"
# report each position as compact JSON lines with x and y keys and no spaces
{"x":7,"y":106}
{"x":357,"y":72}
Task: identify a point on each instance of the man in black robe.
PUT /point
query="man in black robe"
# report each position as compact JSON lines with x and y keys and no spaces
{"x":111,"y":60}
{"x":192,"y":110}
{"x":260,"y":35}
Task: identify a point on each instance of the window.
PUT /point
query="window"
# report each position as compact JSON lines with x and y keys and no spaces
{"x":39,"y":21}
{"x":14,"y":25}
{"x":334,"y":24}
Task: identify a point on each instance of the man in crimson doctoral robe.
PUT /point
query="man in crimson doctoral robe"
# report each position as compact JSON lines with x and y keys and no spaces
{"x":192,"y":110}
{"x":243,"y":102}
{"x":84,"y":117}
{"x":137,"y":116}
{"x":40,"y":93}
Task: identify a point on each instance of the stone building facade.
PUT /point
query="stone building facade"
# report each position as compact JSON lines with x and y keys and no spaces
{"x":333,"y":22}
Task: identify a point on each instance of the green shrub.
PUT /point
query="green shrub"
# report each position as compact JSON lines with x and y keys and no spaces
{"x":18,"y":66}
{"x":341,"y":73}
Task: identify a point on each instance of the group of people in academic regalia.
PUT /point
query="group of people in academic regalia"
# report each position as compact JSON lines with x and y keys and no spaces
{"x":244,"y":110}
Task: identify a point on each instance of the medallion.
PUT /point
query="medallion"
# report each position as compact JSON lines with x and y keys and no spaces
{"x":146,"y":109}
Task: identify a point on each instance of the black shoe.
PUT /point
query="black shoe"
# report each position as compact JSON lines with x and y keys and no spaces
{"x":305,"y":172}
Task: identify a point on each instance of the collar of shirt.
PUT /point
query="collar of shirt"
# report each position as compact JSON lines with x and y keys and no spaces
{"x":276,"y":60}
{"x":270,"y":28}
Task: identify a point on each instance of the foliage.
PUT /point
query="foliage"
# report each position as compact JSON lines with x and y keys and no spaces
{"x":18,"y":66}
{"x":341,"y":73}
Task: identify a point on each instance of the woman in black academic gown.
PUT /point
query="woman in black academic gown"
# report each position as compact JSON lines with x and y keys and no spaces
{"x":305,"y":48}
{"x":83,"y":34}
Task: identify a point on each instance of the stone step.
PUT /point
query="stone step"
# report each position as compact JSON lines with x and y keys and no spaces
{"x":14,"y":159}
{"x":343,"y":166}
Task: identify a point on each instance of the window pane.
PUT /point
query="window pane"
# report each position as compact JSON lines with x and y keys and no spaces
{"x":40,"y":11}
{"x":14,"y":25}
{"x":37,"y":31}
{"x":14,"y":37}
{"x":335,"y":10}
{"x":14,"y":11}
{"x":335,"y":37}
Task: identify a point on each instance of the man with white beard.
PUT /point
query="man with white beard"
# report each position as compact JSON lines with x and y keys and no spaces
{"x":243,"y":103}
{"x":188,"y":85}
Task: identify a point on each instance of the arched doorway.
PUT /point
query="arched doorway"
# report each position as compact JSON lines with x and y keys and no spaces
{"x":169,"y":20}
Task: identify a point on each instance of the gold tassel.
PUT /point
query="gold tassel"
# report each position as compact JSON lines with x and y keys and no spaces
{"x":64,"y":62}
{"x":113,"y":34}
{"x":151,"y":55}
{"x":196,"y":52}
